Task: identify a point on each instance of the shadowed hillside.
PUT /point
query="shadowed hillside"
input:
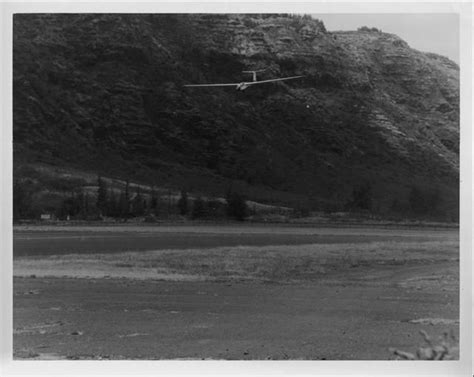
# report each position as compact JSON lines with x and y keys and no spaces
{"x":372,"y":124}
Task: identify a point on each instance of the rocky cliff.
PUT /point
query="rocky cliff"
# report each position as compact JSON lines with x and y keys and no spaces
{"x":104,"y":93}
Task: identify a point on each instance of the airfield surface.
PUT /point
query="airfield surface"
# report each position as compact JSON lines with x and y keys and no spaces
{"x":231,"y":292}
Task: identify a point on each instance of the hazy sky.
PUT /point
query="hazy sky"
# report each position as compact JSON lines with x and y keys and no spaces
{"x":438,"y":33}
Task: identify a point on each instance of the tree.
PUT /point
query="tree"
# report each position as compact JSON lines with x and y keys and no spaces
{"x":72,"y":206}
{"x":434,"y":201}
{"x":86,"y":205}
{"x":199,"y":209}
{"x":417,"y":201}
{"x":124,"y":202}
{"x":138,"y":209}
{"x":369,"y":29}
{"x":102,"y":196}
{"x":112,"y":204}
{"x":425,"y":201}
{"x":361,"y":198}
{"x":236,"y":206}
{"x":81,"y":205}
{"x":183,"y":203}
{"x":153,"y":207}
{"x":22,"y":199}
{"x":216,"y":209}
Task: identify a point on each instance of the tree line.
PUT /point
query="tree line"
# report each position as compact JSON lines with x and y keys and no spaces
{"x":127,"y":203}
{"x":422,"y":202}
{"x":132,"y":202}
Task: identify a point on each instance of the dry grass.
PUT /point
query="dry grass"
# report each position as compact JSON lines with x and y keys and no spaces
{"x":274,"y":263}
{"x":446,"y":349}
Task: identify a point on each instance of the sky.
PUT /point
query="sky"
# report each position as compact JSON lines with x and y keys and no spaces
{"x":435,"y":32}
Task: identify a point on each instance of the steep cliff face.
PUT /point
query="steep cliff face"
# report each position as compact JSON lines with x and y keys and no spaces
{"x":105,"y":93}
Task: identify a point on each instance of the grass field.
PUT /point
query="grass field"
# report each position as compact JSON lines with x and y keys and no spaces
{"x":277,"y":263}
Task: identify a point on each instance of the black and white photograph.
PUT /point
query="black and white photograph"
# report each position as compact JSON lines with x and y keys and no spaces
{"x":236,"y":186}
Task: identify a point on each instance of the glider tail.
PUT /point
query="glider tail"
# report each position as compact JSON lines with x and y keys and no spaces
{"x":254,"y":73}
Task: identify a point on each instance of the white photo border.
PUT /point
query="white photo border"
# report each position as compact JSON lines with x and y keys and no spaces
{"x":463,"y":367}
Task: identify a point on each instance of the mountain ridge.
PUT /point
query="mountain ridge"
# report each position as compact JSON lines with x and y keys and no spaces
{"x":104,"y":93}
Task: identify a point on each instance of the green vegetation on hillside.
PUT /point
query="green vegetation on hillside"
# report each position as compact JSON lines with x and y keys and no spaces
{"x":104,"y":94}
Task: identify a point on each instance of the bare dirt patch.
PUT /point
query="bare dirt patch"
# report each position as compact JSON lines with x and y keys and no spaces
{"x":317,"y":301}
{"x":336,"y":319}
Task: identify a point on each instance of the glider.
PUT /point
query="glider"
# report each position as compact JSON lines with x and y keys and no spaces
{"x":245,"y":84}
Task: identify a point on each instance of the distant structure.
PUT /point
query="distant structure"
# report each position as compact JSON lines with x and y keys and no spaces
{"x":46,"y":217}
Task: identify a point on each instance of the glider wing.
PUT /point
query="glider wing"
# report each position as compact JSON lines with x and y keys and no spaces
{"x":198,"y":85}
{"x":272,"y":80}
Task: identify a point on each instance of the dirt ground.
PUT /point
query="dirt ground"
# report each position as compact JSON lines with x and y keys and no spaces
{"x":318,"y":302}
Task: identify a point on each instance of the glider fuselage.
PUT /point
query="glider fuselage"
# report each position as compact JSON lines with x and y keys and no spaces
{"x":242,"y":86}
